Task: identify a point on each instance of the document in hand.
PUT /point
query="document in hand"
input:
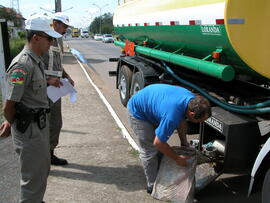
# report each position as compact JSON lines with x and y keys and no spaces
{"x":55,"y":93}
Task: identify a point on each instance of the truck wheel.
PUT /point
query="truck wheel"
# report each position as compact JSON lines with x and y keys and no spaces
{"x":266,"y":188}
{"x":124,"y":83}
{"x":137,"y":83}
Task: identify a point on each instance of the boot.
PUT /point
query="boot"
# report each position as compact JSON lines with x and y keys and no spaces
{"x":149,"y":189}
{"x":57,"y":161}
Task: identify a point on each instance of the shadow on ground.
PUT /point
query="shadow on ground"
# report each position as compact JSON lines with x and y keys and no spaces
{"x":69,"y":59}
{"x":126,"y":179}
{"x":232,"y":190}
{"x":73,"y":132}
{"x":94,"y":61}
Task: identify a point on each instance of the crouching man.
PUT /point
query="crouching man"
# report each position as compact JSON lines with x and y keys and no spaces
{"x":154,"y":113}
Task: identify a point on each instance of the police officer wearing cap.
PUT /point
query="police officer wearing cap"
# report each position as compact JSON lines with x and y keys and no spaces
{"x":26,"y":106}
{"x":54,"y":72}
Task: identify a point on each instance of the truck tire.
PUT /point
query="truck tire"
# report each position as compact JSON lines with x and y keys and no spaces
{"x":137,"y":83}
{"x":124,"y":83}
{"x":266,"y":188}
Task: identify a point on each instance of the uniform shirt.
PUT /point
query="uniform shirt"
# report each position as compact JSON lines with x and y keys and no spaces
{"x":57,"y":58}
{"x":26,"y":81}
{"x":162,"y":105}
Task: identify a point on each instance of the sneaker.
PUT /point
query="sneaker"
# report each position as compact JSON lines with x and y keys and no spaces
{"x":57,"y":161}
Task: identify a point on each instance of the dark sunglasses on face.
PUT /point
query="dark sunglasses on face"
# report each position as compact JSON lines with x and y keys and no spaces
{"x":49,"y":38}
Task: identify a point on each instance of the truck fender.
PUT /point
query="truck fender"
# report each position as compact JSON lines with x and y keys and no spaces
{"x":136,"y":64}
{"x":259,"y":160}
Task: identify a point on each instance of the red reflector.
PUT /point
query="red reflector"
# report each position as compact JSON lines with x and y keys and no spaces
{"x":192,"y":22}
{"x":157,"y":23}
{"x":145,"y":24}
{"x":172,"y":23}
{"x":137,"y":24}
{"x":216,"y":55}
{"x":129,"y":25}
{"x":220,"y":21}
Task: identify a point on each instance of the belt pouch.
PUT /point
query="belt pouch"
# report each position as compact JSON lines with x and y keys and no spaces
{"x":41,"y":120}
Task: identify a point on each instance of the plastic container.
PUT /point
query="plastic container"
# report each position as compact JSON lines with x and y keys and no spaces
{"x":220,"y":146}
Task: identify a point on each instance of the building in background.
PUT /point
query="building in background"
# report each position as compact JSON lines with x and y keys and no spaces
{"x":15,"y":21}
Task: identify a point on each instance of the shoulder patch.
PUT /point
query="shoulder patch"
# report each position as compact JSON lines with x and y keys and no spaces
{"x":17,"y":76}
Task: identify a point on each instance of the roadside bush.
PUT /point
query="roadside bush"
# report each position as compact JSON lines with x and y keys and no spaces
{"x":16,"y":45}
{"x":22,"y":34}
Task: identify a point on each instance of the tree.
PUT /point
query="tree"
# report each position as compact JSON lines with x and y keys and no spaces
{"x":11,"y":15}
{"x":106,"y":24}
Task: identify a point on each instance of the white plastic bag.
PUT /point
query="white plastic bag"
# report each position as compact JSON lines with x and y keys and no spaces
{"x":204,"y":175}
{"x":176,"y":183}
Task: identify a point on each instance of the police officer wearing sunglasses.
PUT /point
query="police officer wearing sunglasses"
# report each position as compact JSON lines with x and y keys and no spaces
{"x":26,"y":108}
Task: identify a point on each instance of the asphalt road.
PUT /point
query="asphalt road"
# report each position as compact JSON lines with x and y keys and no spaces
{"x":227,"y":188}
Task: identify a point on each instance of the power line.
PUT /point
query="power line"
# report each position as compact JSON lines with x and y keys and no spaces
{"x":15,"y":5}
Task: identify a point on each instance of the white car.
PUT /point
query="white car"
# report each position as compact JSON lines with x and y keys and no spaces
{"x":98,"y":37}
{"x":107,"y":38}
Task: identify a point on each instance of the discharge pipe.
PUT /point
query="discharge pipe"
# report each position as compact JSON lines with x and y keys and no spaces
{"x":223,"y":72}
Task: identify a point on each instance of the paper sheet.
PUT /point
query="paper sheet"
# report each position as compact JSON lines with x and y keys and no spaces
{"x":55,"y":93}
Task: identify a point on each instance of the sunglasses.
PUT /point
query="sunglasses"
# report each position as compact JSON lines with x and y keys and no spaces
{"x":49,"y":38}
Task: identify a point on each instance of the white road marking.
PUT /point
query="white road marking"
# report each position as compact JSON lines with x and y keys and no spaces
{"x":112,"y":112}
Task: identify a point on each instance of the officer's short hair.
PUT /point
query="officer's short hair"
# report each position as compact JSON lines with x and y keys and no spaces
{"x":58,"y":21}
{"x":31,"y":33}
{"x":200,"y":106}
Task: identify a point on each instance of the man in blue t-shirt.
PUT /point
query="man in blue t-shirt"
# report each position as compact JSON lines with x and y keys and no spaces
{"x":155,"y":112}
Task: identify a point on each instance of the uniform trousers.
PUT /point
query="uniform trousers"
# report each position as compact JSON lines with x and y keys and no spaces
{"x":33,"y":150}
{"x":149,"y":154}
{"x":55,"y":119}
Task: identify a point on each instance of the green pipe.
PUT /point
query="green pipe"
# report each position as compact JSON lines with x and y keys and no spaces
{"x":223,"y":72}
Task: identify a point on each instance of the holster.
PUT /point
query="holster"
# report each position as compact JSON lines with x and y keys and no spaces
{"x":23,"y":123}
{"x":24,"y":116}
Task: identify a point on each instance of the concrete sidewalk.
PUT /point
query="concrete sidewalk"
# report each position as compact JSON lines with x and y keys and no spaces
{"x":102,"y":165}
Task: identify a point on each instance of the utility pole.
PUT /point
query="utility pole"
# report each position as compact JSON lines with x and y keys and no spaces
{"x":58,"y":6}
{"x":100,"y":14}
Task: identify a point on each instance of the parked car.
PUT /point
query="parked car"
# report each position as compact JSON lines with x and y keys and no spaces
{"x":107,"y":38}
{"x":98,"y":37}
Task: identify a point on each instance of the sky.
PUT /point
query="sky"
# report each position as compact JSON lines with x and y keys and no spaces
{"x":80,"y":15}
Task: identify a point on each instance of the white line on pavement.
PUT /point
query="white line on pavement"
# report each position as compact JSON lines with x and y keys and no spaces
{"x":109,"y":107}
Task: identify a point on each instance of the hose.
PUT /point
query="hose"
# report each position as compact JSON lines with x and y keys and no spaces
{"x":249,"y":109}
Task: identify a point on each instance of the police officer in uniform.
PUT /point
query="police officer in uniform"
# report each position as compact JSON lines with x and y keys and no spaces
{"x":26,"y":107}
{"x":54,"y":72}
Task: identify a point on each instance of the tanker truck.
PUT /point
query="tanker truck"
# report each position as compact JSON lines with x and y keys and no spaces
{"x":217,"y":48}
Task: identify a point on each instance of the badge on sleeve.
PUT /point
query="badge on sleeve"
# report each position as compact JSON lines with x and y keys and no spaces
{"x":17,"y":76}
